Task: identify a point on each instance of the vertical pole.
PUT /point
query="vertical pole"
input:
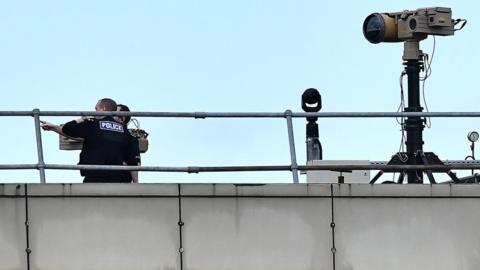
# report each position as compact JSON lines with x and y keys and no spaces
{"x":413,"y":57}
{"x":291,"y":140}
{"x":473,"y":154}
{"x":314,"y":147}
{"x":38,"y":134}
{"x":414,"y":125}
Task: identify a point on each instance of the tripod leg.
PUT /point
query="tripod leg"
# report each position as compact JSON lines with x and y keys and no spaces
{"x":453,"y":176}
{"x":401,"y":177}
{"x":429,"y":172}
{"x":374,"y":179}
{"x":430,"y":177}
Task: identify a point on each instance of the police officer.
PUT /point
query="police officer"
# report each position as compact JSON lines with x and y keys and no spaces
{"x":106,"y":142}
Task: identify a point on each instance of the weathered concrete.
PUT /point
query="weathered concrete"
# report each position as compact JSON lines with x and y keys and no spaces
{"x":284,"y":226}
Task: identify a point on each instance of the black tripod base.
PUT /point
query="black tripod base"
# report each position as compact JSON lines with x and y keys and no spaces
{"x":415,"y":176}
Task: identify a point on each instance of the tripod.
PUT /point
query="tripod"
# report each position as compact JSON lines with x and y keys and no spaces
{"x":413,"y":62}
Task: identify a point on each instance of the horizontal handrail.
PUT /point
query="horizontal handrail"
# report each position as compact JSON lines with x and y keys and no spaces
{"x":199,"y":169}
{"x":288,"y":115}
{"x":201,"y":115}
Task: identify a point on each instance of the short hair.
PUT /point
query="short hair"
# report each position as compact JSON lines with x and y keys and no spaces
{"x":109,"y":104}
{"x":124,"y":108}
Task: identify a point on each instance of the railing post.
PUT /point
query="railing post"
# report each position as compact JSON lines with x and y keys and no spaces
{"x":38,"y":135}
{"x":291,"y":140}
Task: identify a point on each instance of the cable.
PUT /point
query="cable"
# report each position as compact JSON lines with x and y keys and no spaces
{"x":180,"y":226}
{"x":401,"y":151}
{"x":401,"y":155}
{"x":428,"y":72}
{"x":401,"y":107}
{"x":428,"y":62}
{"x":27,"y":228}
{"x":332,"y":225}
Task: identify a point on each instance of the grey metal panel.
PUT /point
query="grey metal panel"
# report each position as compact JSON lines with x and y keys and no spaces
{"x":407,"y":233}
{"x":331,"y":176}
{"x":262,"y":190}
{"x":410,"y":190}
{"x":12,"y":189}
{"x":104,"y":233}
{"x":465,"y":190}
{"x":257,"y":233}
{"x":12,"y":234}
{"x":103,"y":189}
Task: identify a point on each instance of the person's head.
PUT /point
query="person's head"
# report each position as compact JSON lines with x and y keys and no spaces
{"x":123,"y":119}
{"x":106,"y":105}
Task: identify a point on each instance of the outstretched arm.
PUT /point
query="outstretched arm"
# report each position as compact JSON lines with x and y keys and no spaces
{"x":52,"y":127}
{"x":73,"y":129}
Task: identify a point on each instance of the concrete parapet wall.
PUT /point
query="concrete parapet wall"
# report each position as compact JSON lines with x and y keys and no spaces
{"x":225,"y":226}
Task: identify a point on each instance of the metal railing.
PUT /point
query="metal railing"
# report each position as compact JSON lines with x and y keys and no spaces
{"x":288,"y":115}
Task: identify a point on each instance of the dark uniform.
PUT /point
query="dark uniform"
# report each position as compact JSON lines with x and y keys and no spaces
{"x":135,"y":149}
{"x":107,"y":142}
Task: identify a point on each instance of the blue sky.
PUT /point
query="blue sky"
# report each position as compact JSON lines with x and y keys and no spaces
{"x":219,"y":56}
